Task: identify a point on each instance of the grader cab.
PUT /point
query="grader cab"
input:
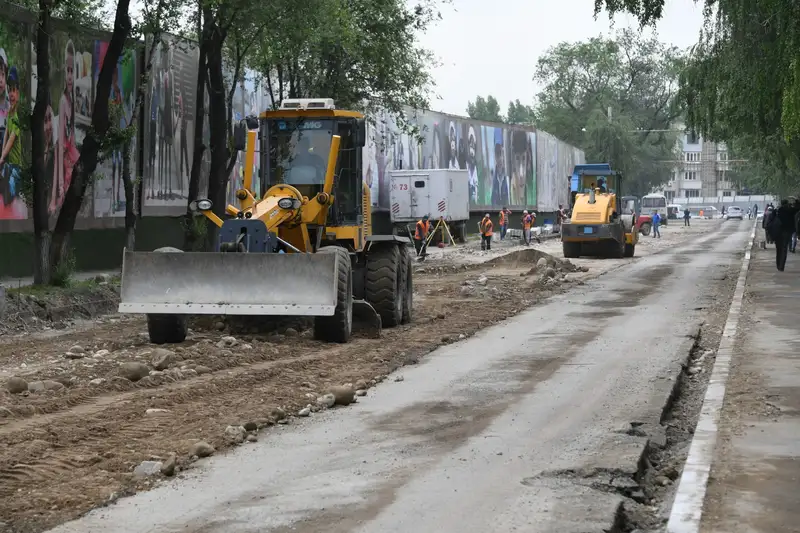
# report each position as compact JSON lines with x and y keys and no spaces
{"x":305,"y":248}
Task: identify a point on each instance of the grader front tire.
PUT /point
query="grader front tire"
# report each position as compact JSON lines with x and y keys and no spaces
{"x":167,"y":329}
{"x":384,"y":288}
{"x":407,"y":282}
{"x":339,"y":326}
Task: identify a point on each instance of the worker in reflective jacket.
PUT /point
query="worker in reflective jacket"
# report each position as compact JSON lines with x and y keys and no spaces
{"x":421,"y":235}
{"x":527,"y":223}
{"x":485,"y":227}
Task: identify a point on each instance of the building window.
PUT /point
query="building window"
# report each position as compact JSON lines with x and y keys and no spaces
{"x":691,"y":193}
{"x":691,"y":137}
{"x":692,"y":157}
{"x":721,"y":175}
{"x":690,"y":175}
{"x":722,"y":156}
{"x":669,"y":195}
{"x":726,"y":193}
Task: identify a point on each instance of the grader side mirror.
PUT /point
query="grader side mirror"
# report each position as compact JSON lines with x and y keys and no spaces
{"x":240,"y":136}
{"x":360,"y":134}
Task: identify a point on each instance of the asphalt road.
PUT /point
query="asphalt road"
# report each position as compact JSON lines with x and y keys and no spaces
{"x":473,"y":438}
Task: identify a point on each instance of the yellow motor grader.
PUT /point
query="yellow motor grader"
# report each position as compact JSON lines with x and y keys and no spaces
{"x":305,"y":248}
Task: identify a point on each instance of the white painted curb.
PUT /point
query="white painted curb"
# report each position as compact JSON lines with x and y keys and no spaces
{"x":687,"y":509}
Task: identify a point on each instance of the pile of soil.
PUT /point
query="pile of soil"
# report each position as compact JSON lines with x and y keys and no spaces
{"x":40,"y":308}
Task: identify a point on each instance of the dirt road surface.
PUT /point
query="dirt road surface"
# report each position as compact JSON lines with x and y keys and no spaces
{"x":506,"y":401}
{"x":754,"y":477}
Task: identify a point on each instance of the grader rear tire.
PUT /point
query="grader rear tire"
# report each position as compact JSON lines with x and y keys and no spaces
{"x":339,"y":326}
{"x":408,"y":283}
{"x":167,"y":329}
{"x":384,"y":288}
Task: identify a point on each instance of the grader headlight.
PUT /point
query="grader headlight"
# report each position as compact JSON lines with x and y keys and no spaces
{"x":286,"y":203}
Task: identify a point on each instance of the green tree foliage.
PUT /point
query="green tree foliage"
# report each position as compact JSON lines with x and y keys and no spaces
{"x":632,"y":77}
{"x":487,"y":109}
{"x":520,"y":114}
{"x":362,"y":53}
{"x":742,"y":82}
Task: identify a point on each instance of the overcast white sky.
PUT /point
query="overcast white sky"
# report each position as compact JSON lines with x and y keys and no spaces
{"x":491,"y":46}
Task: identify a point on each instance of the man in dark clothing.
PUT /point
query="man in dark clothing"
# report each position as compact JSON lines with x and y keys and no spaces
{"x":686,"y":217}
{"x":780,"y":229}
{"x":769,"y":212}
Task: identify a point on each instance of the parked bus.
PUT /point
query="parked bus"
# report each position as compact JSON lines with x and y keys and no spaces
{"x":655,"y":202}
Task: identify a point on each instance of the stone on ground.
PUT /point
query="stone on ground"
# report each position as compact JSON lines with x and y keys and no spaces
{"x":202,"y":449}
{"x":16,"y":385}
{"x":343,"y":395}
{"x":134,"y":371}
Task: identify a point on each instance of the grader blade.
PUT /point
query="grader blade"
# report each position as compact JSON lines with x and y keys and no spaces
{"x":199,"y":283}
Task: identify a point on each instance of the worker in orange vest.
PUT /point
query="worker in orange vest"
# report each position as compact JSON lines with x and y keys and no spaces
{"x":504,"y":213}
{"x":485,"y":227}
{"x":527,"y":224}
{"x":421,"y":235}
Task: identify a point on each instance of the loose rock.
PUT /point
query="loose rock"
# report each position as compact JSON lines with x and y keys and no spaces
{"x":399,"y":378}
{"x":168,"y":468}
{"x":97,"y":381}
{"x":227,"y":342}
{"x":343,"y":395}
{"x":361,"y":392}
{"x":74,"y":355}
{"x":326,"y":401}
{"x":161,"y":358}
{"x":101,"y":353}
{"x":202,"y":449}
{"x":305,"y":411}
{"x":148,"y":468}
{"x":200,"y":369}
{"x":134,"y":371}
{"x":278,"y":413}
{"x":154,"y":411}
{"x":39,"y":386}
{"x":235,"y":434}
{"x":250,"y":426}
{"x":550,"y":272}
{"x":251,"y":438}
{"x":16,"y":385}
{"x":541,"y":264}
{"x":290,"y":332}
{"x":77,"y":349}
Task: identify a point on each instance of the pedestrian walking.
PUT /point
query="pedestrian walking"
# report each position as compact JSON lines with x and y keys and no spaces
{"x":769,"y":212}
{"x":485,"y":228}
{"x":686,"y":217}
{"x":781,"y":227}
{"x":748,"y":213}
{"x":656,"y":225}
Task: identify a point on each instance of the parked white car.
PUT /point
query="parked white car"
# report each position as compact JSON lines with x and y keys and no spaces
{"x":734,"y":212}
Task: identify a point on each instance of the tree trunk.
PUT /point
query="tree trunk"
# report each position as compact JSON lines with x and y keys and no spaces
{"x":190,"y":236}
{"x":41,"y":181}
{"x":131,"y":211}
{"x":87,"y":162}
{"x":217,"y":121}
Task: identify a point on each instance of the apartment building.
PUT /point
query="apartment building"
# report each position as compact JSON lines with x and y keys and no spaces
{"x":702,"y":171}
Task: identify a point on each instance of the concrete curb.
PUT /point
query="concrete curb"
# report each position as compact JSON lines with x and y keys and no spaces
{"x":687,"y":508}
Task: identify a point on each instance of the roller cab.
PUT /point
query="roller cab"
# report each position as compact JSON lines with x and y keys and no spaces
{"x":601,"y":224}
